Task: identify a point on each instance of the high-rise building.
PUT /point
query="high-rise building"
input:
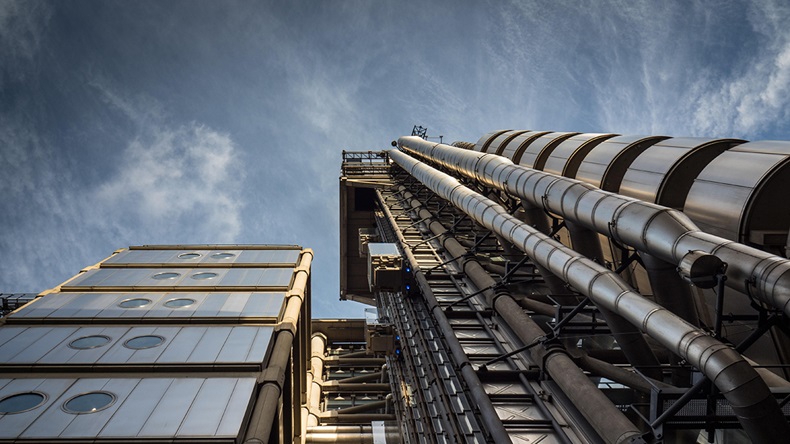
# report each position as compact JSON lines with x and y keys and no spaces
{"x":531,"y":287}
{"x":566,"y":287}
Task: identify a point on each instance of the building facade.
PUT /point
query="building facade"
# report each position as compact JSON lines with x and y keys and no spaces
{"x":567,"y":287}
{"x":532,"y":287}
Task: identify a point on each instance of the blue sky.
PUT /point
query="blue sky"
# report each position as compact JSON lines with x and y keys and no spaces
{"x":126,"y":123}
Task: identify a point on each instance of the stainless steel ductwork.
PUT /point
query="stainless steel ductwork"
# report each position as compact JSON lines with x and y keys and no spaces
{"x":743,"y":207}
{"x":749,"y":397}
{"x":566,"y":158}
{"x":539,"y":150}
{"x":664,"y":172}
{"x":515,"y":148}
{"x":662,"y":232}
{"x":501,"y":141}
{"x":605,"y":165}
{"x":485,"y":141}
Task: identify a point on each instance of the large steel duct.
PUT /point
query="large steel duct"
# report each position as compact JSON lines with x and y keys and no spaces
{"x":663,"y":232}
{"x":751,"y":400}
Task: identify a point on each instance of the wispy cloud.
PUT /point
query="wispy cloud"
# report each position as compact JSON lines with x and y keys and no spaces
{"x":759,"y":94}
{"x":22,"y":29}
{"x":177,"y":182}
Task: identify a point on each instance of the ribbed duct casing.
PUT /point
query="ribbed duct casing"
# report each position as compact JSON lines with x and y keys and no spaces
{"x":749,"y":396}
{"x":663,"y":232}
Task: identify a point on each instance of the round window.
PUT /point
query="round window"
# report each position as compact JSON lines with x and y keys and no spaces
{"x":89,"y":402}
{"x":223,"y":255}
{"x":141,"y":342}
{"x":180,"y":302}
{"x":134,"y":303}
{"x":204,"y":275}
{"x":188,"y":255}
{"x":87,"y":342}
{"x":166,"y":275}
{"x":21,"y":402}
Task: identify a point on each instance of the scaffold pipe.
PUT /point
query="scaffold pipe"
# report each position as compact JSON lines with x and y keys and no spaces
{"x":750,"y":398}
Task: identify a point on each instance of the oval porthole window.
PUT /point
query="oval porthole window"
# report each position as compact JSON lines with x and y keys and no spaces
{"x":180,"y":302}
{"x":166,"y":275}
{"x":87,"y":342}
{"x":204,"y":275}
{"x":142,"y":342}
{"x":134,"y":303}
{"x":223,"y":255}
{"x":89,"y":402}
{"x":189,"y":255}
{"x":21,"y":402}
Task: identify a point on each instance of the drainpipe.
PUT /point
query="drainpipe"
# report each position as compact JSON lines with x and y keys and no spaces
{"x":604,"y":416}
{"x":271,"y":380}
{"x":752,"y":402}
{"x":318,"y":347}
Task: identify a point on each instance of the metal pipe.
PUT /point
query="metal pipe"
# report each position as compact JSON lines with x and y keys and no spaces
{"x":749,"y":396}
{"x":628,"y":336}
{"x":665,"y":233}
{"x":363,"y":408}
{"x":604,"y":416}
{"x":477,"y":392}
{"x":271,"y":380}
{"x":342,"y":438}
{"x":619,"y":374}
{"x":318,"y":350}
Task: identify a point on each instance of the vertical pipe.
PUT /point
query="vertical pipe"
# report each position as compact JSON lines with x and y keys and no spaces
{"x":629,"y":338}
{"x":750,"y":398}
{"x":272,"y":379}
{"x":604,"y":416}
{"x":478,"y":394}
{"x":536,"y":217}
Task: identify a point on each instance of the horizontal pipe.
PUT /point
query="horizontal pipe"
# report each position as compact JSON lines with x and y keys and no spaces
{"x":749,"y":396}
{"x":341,"y":438}
{"x":663,"y":232}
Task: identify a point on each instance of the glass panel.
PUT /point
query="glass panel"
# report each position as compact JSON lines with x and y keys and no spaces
{"x":134,"y":303}
{"x":166,"y":275}
{"x":188,"y":255}
{"x":89,"y":402}
{"x":21,"y":402}
{"x":180,"y":302}
{"x":87,"y":342}
{"x":141,"y":342}
{"x":204,"y":275}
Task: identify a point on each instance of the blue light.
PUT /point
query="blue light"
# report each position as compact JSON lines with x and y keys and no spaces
{"x":408,"y":270}
{"x":397,"y":338}
{"x":397,"y":351}
{"x":408,"y":287}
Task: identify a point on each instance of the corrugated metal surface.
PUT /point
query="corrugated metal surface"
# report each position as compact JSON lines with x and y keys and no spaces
{"x":183,"y":409}
{"x":733,"y":205}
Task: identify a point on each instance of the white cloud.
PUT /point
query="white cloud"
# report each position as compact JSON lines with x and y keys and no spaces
{"x":175,"y":181}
